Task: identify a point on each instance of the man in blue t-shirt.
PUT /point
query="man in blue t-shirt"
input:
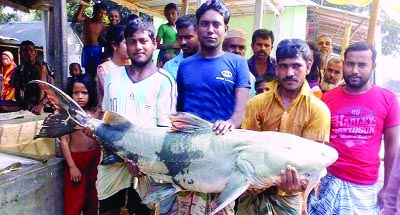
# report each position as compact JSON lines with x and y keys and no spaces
{"x":213,"y":85}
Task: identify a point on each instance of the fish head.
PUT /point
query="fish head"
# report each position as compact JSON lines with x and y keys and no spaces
{"x":313,"y":161}
{"x":309,"y":158}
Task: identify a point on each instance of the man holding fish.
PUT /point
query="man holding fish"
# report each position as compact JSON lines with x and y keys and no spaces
{"x":213,"y":85}
{"x":145,"y":95}
{"x":289,"y":107}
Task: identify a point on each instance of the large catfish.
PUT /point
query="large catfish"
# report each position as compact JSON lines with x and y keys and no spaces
{"x":190,"y":156}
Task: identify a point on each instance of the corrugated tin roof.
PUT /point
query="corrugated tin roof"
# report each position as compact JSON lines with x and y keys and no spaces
{"x":33,"y":31}
{"x":321,"y":20}
{"x":25,"y":5}
{"x":332,"y":22}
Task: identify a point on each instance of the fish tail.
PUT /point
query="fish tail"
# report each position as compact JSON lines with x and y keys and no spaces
{"x":68,"y":115}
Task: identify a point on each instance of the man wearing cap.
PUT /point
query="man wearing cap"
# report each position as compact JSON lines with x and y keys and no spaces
{"x":261,"y":63}
{"x":235,"y":42}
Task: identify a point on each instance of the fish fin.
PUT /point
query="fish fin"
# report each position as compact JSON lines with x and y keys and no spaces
{"x":311,"y":185}
{"x":68,"y":115}
{"x":114,"y":119}
{"x":186,"y":122}
{"x":237,"y":184}
{"x":159,"y":192}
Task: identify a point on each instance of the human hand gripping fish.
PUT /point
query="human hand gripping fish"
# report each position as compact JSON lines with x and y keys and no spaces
{"x":221,"y":127}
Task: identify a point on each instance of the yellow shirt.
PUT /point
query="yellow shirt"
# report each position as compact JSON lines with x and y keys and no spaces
{"x":307,"y":116}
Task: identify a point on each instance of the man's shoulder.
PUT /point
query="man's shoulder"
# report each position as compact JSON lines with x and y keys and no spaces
{"x":116,"y":73}
{"x":318,"y":105}
{"x":165,"y":74}
{"x":191,"y":59}
{"x":272,"y":60}
{"x":174,"y":61}
{"x":384,"y":91}
{"x":334,"y":93}
{"x":233,"y":56}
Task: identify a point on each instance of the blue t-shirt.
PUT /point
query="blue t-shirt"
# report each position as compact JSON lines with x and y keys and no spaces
{"x":206,"y":87}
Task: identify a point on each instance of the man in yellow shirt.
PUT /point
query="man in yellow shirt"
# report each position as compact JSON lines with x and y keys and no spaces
{"x":291,"y":107}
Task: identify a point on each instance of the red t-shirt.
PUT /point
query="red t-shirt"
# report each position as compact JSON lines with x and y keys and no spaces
{"x":357,"y":125}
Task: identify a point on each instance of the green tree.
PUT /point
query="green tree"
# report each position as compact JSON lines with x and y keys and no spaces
{"x":37,"y":15}
{"x":390,"y":35}
{"x":8,"y":17}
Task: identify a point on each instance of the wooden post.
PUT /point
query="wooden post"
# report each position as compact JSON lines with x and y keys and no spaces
{"x":46,"y":22}
{"x":277,"y":33}
{"x":346,"y":39}
{"x":373,"y":20}
{"x":185,"y":7}
{"x":259,"y":8}
{"x":59,"y":52}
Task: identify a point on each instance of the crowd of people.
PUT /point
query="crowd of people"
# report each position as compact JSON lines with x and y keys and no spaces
{"x":307,"y":91}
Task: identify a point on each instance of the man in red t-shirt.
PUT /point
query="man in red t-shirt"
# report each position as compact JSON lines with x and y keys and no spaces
{"x":361,"y":114}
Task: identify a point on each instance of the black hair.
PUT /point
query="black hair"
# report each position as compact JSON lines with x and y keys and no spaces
{"x":264,"y":34}
{"x":27,"y":43}
{"x":99,"y":6}
{"x":72,"y":65}
{"x":315,"y":73}
{"x":361,"y":46}
{"x":290,"y":48}
{"x":139,"y":25}
{"x":170,"y":6}
{"x":186,"y":21}
{"x":259,"y":80}
{"x":114,"y":35}
{"x":90,"y":86}
{"x":216,"y":5}
{"x":165,"y":56}
{"x":131,"y":18}
{"x":114,"y":9}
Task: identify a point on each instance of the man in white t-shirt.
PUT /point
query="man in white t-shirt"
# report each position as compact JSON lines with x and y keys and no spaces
{"x":145,"y":95}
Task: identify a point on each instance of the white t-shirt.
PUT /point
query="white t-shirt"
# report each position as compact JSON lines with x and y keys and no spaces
{"x":146,"y":103}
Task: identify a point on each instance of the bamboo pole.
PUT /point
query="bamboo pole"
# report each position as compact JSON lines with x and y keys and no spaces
{"x":259,"y":8}
{"x":373,"y":20}
{"x":346,"y":39}
{"x":185,"y":7}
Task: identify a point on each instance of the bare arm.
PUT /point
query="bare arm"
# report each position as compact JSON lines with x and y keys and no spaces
{"x":42,"y":100}
{"x":241,"y":97}
{"x":74,"y":171}
{"x":175,"y":45}
{"x":79,"y":16}
{"x":391,"y":144}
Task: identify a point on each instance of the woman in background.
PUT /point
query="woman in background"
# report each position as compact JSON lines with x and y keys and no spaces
{"x":115,"y":47}
{"x":7,"y":68}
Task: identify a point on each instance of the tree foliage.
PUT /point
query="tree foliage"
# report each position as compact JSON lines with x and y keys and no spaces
{"x":124,"y":12}
{"x":390,"y":35}
{"x":8,"y":17}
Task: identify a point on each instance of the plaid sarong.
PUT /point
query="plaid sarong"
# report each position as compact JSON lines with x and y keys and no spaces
{"x":343,"y":198}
